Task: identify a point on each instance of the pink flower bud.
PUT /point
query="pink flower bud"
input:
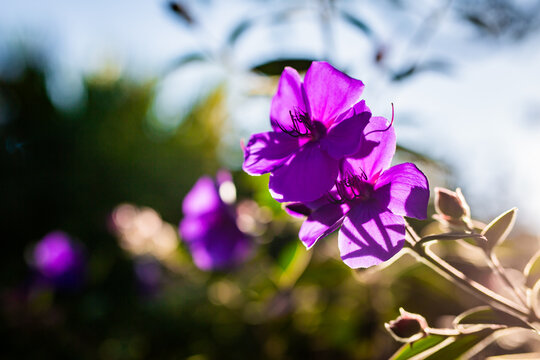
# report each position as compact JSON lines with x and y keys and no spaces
{"x":408,"y":327}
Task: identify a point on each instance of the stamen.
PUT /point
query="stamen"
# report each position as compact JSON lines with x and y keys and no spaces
{"x":391,"y":121}
{"x":298,"y":118}
{"x":389,"y":126}
{"x":352,"y":187}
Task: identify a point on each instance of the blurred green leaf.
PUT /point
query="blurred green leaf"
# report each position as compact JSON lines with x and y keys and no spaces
{"x":432,"y":65}
{"x":356,"y":22}
{"x":497,"y":230}
{"x":181,"y":11}
{"x":183,"y":60}
{"x":275,"y":67}
{"x":238,"y":30}
{"x":291,"y":263}
{"x":417,"y":155}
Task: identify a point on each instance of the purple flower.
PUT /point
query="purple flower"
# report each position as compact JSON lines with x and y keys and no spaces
{"x":368,"y":201}
{"x":59,"y":260}
{"x":209,"y":225}
{"x":315,"y":124}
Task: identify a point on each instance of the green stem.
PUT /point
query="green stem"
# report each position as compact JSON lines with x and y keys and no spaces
{"x":429,"y":258}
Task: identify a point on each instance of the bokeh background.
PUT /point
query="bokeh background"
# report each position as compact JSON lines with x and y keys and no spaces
{"x":110,"y":112}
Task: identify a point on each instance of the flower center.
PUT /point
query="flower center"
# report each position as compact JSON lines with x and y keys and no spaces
{"x":352,"y":188}
{"x":303,"y":125}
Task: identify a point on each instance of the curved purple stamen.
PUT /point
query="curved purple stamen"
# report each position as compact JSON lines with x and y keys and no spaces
{"x":388,"y":127}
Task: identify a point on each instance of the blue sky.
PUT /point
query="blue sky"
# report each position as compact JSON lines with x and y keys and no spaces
{"x":483,"y":119}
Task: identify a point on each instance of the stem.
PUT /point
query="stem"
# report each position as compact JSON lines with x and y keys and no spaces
{"x":495,"y":265}
{"x":428,"y":257}
{"x":443,"y":332}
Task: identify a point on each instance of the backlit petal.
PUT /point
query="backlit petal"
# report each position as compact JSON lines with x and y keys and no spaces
{"x":330,"y":92}
{"x":345,"y":138}
{"x":267,"y":151}
{"x":306,"y":176}
{"x":369,"y":236}
{"x":404,"y":190}
{"x":221,"y":246}
{"x":322,"y":222}
{"x":202,"y":198}
{"x":376,"y":150}
{"x":288,"y":98}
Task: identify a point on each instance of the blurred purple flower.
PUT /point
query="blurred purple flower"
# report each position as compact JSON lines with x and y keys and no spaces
{"x":209,"y":225}
{"x":59,"y":260}
{"x":368,"y":201}
{"x":315,"y":123}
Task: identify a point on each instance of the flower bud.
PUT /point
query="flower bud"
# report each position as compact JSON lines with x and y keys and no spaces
{"x":452,"y":209}
{"x":408,"y":327}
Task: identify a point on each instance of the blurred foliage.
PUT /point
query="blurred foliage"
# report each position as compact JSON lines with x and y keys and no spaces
{"x":68,"y":170}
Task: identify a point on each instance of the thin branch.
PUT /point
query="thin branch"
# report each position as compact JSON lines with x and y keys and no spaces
{"x":495,"y":265}
{"x":428,"y":257}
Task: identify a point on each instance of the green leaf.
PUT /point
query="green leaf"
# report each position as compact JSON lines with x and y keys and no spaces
{"x":476,"y":325}
{"x":183,"y":60}
{"x":532,"y":270}
{"x":291,"y":263}
{"x":436,"y":347}
{"x":407,"y":351}
{"x":275,"y":67}
{"x":238,"y":30}
{"x":497,"y":230}
{"x":459,"y":346}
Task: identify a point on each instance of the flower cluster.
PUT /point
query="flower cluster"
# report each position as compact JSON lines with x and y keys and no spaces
{"x":209,"y":225}
{"x":329,"y":159}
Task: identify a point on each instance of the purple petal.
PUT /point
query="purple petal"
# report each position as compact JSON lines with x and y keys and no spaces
{"x":345,"y":137}
{"x":330,"y":92}
{"x":369,"y":236}
{"x":321,"y":223}
{"x":306,"y":176}
{"x":376,"y":151}
{"x":267,"y":151}
{"x":404,"y":190}
{"x":221,"y":246}
{"x":289,"y":97}
{"x":194,"y":227}
{"x":358,"y":108}
{"x":202,"y":198}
